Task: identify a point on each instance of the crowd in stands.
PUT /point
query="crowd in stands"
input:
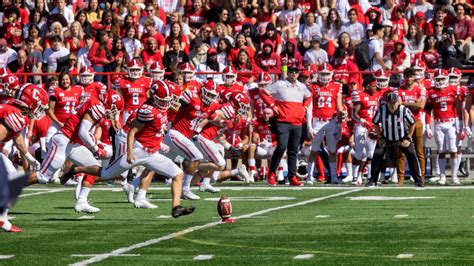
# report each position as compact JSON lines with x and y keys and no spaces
{"x":252,"y":35}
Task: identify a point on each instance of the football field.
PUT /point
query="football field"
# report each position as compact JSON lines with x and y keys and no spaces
{"x":309,"y":225}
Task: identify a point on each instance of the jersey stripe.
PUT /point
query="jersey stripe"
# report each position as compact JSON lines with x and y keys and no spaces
{"x":97,"y":111}
{"x":15,"y":122}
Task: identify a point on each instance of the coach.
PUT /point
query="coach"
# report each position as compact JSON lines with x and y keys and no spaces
{"x":289,"y":99}
{"x":394,"y":125}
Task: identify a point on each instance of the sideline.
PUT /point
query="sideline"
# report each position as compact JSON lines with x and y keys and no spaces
{"x":150,"y":242}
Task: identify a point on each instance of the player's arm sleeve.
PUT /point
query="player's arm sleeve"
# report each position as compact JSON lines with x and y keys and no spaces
{"x":144,"y":115}
{"x":14,"y":122}
{"x":87,"y":136}
{"x":186,"y":97}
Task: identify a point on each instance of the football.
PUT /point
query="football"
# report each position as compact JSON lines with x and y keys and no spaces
{"x":224,"y":207}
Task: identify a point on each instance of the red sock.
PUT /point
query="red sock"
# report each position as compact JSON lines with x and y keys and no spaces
{"x":339,"y":164}
{"x":90,"y":179}
{"x":320,"y":166}
{"x":251,"y":168}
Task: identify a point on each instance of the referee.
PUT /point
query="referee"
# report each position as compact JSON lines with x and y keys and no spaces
{"x":394,"y":125}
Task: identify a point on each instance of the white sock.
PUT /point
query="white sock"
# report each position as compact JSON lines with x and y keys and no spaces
{"x":458,"y":161}
{"x":83,"y":194}
{"x":310,"y":171}
{"x":141,"y":195}
{"x":206,"y":181}
{"x":136,"y":182}
{"x":214,"y":176}
{"x":251,"y":162}
{"x":442,"y":166}
{"x":333,"y":167}
{"x":4,"y":215}
{"x":393,"y":173}
{"x":369,"y":168}
{"x":187,"y":181}
{"x":356,"y":170}
{"x":436,"y":166}
{"x":234,"y":172}
{"x":454,"y":170}
{"x":349,"y":169}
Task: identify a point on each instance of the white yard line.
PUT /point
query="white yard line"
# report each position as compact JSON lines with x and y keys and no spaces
{"x":42,"y":192}
{"x":150,"y":242}
{"x":92,"y":255}
{"x":6,"y":257}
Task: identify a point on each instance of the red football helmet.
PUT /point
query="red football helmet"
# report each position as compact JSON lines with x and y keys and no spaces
{"x":325,"y":72}
{"x":4,"y":71}
{"x":175,"y":94}
{"x":161,"y":94}
{"x":419,"y":66}
{"x":381,"y":79}
{"x":454,"y":76}
{"x":157,"y":71}
{"x":188,"y":71}
{"x":10,"y":84}
{"x":264,"y":79}
{"x":241,"y":103}
{"x":135,"y":69}
{"x":441,"y":78}
{"x":230,"y":75}
{"x":209,"y":92}
{"x":33,"y":100}
{"x":115,"y":103}
{"x":86,"y":75}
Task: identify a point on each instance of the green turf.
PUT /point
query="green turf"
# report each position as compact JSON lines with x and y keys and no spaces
{"x":436,"y":231}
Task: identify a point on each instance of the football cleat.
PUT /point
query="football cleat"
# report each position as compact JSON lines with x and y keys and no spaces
{"x":252,"y":175}
{"x":188,"y":194}
{"x":180,"y":211}
{"x":129,"y":189}
{"x":347,"y":179}
{"x":244,"y":174}
{"x":442,"y":180}
{"x":294,"y":181}
{"x":209,"y":188}
{"x":144,"y":204}
{"x":84,"y":206}
{"x":8,"y":227}
{"x":271,"y":180}
{"x":456,"y":181}
{"x":229,"y":220}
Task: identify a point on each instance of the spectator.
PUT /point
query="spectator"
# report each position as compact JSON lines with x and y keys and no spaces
{"x":345,"y":71}
{"x":100,"y":55}
{"x":345,"y":42}
{"x":289,"y":100}
{"x":414,"y":40}
{"x":42,"y":8}
{"x":223,"y":51}
{"x":430,"y":52}
{"x":289,"y":19}
{"x":195,"y":17}
{"x":133,"y":46}
{"x":20,"y":65}
{"x":205,"y":34}
{"x":211,"y":65}
{"x":440,"y":18}
{"x":81,"y":17}
{"x":13,"y":30}
{"x":35,"y":19}
{"x":418,"y":19}
{"x":51,"y":55}
{"x":331,"y":29}
{"x":272,"y":36}
{"x":118,"y":47}
{"x":263,"y":15}
{"x":82,"y":59}
{"x":376,"y":48}
{"x":244,"y":63}
{"x":239,"y":20}
{"x":400,"y":24}
{"x":267,"y":59}
{"x":198,"y":52}
{"x":249,"y":6}
{"x":242,"y":42}
{"x":128,"y":22}
{"x":23,"y":15}
{"x":307,"y":30}
{"x":424,"y":7}
{"x":220,"y":31}
{"x":119,"y":65}
{"x":373,"y":16}
{"x":34,"y":58}
{"x":387,"y":9}
{"x":355,"y":29}
{"x":150,"y":14}
{"x":75,"y":41}
{"x":176,"y":17}
{"x":464,"y":31}
{"x":107,"y":23}
{"x":290,"y":57}
{"x":399,"y":59}
{"x":69,"y":65}
{"x":175,"y":56}
{"x":315,"y":55}
{"x":62,"y":9}
{"x":56,"y":29}
{"x":152,"y":33}
{"x":224,"y":18}
{"x":449,"y":51}
{"x":93,"y":12}
{"x":177,"y":33}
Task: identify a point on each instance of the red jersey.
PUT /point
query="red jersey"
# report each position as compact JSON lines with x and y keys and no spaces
{"x":383,"y":94}
{"x":225,"y":92}
{"x":155,"y":121}
{"x":41,"y":126}
{"x":191,"y":113}
{"x":411,"y":96}
{"x":443,"y":102}
{"x":13,"y":121}
{"x":71,"y":128}
{"x":66,"y":101}
{"x":91,"y":89}
{"x":234,"y":132}
{"x":325,"y":99}
{"x":258,"y":103}
{"x":210,"y":130}
{"x":368,"y":104}
{"x":128,"y":123}
{"x":134,"y":92}
{"x":192,"y":85}
{"x":105,"y":125}
{"x":263,"y":130}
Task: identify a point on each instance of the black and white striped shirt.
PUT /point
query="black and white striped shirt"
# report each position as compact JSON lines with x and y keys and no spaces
{"x":394,"y":125}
